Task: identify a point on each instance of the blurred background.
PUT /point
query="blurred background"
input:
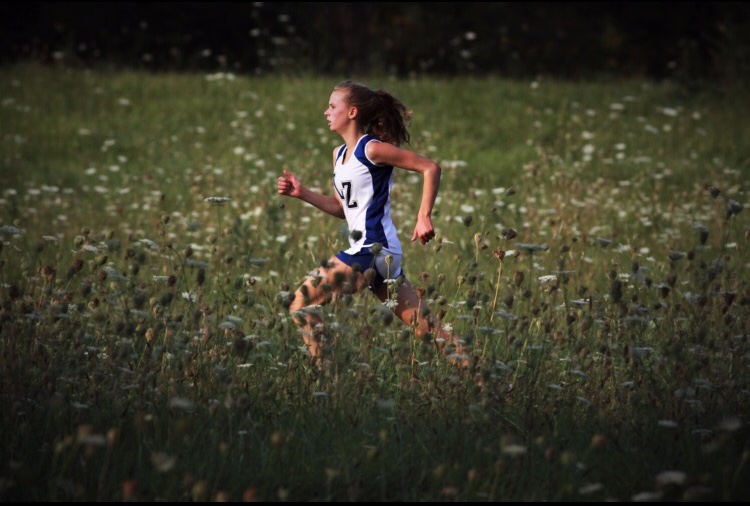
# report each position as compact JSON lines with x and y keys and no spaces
{"x":685,"y":41}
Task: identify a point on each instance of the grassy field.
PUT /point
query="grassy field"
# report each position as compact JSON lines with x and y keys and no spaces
{"x":592,"y":252}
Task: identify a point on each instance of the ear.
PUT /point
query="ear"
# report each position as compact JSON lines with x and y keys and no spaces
{"x":353,"y":111}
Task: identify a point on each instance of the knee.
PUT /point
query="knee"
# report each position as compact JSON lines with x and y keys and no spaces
{"x":295,"y":305}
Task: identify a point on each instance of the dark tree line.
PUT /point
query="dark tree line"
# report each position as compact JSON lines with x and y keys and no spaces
{"x":688,"y":40}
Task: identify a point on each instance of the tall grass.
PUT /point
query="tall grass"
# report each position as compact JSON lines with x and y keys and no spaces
{"x":592,"y":253}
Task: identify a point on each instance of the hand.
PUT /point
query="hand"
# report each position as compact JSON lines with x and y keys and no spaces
{"x":289,"y":185}
{"x":424,"y":230}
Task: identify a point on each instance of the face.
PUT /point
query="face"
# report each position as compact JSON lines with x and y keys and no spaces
{"x":339,"y":113}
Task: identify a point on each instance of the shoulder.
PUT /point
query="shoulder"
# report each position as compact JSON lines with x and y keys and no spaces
{"x":381,"y":152}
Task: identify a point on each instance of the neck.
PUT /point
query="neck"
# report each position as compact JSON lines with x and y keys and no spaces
{"x":351,"y":136}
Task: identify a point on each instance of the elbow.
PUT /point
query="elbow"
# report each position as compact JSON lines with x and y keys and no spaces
{"x":436,"y":170}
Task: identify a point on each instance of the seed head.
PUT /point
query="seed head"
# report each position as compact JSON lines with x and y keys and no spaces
{"x":702,"y":233}
{"x":369,"y":276}
{"x":508,"y":233}
{"x":733,"y":207}
{"x":616,"y":290}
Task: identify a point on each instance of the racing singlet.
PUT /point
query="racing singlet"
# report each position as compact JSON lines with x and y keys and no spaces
{"x":365,"y":192}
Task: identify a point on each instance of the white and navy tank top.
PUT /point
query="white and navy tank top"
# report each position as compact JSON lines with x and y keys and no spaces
{"x":365,"y":192}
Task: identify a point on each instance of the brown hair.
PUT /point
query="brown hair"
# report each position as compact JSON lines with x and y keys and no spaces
{"x":381,"y":114}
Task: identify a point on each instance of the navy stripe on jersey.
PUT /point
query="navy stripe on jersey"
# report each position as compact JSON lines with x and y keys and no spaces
{"x":381,"y":176}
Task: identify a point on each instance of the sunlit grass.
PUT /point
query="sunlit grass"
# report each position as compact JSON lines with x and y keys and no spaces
{"x":592,"y":253}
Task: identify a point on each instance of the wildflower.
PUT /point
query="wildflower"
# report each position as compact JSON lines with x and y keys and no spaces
{"x":730,"y":424}
{"x":180,"y":403}
{"x":149,"y":244}
{"x":9,"y":230}
{"x":390,"y":303}
{"x":219,"y":201}
{"x":163,"y":462}
{"x":646,"y":497}
{"x":514,"y":450}
{"x":676,"y":255}
{"x":671,"y":478}
{"x":590,"y":489}
{"x":505,"y":315}
{"x":386,"y":404}
{"x":200,"y":264}
{"x":530,"y":248}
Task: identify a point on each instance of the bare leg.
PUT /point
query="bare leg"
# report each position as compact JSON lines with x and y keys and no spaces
{"x":330,"y":282}
{"x":413,"y":311}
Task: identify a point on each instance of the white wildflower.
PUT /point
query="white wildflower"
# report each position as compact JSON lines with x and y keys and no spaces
{"x":730,"y":424}
{"x":514,"y":450}
{"x":217,"y":200}
{"x":671,"y":478}
{"x":178,"y":402}
{"x":646,"y":496}
{"x":590,"y":488}
{"x":9,"y":230}
{"x":92,"y":439}
{"x":149,"y":244}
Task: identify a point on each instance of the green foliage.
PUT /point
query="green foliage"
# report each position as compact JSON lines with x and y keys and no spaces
{"x":591,"y":253}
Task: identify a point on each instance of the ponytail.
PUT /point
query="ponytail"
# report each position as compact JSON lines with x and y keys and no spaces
{"x":381,"y":114}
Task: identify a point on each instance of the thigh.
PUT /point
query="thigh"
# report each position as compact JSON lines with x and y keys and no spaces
{"x":333,"y":279}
